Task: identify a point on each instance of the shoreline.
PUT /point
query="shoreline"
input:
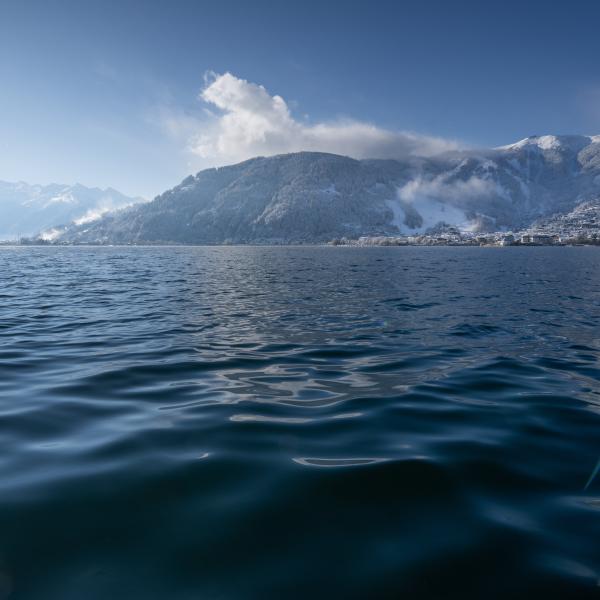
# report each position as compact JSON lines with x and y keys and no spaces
{"x":299,"y":245}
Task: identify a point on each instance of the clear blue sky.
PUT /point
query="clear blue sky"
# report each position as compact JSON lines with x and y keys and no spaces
{"x":102,"y":92}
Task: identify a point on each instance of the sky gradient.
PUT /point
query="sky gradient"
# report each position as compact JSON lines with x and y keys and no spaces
{"x":115,"y":93}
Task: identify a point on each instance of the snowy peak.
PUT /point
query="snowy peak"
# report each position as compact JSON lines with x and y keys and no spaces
{"x":565,"y":143}
{"x":28,"y":209}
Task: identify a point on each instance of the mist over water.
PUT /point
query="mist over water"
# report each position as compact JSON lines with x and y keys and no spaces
{"x":259,"y":422}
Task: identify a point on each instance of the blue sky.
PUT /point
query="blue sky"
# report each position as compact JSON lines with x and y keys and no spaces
{"x":109,"y":93}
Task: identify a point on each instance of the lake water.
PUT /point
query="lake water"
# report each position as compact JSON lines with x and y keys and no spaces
{"x":252,"y":422}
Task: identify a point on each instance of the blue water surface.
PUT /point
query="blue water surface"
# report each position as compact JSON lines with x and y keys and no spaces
{"x":292,"y":422}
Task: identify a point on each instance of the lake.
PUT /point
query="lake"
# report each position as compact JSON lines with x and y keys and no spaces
{"x":284,"y":422}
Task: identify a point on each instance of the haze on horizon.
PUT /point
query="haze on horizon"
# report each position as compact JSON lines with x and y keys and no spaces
{"x":136,"y":96}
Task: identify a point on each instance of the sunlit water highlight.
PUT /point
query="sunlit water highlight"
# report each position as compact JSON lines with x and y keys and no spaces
{"x":240,"y":422}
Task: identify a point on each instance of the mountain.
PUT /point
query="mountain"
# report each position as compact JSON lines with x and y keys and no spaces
{"x":314,"y":197}
{"x":26,"y":209}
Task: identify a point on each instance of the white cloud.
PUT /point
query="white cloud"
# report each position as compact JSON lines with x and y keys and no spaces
{"x":446,"y":191}
{"x":249,"y":121}
{"x":92,"y":215}
{"x":51,"y":234}
{"x":104,"y":206}
{"x":424,"y":203}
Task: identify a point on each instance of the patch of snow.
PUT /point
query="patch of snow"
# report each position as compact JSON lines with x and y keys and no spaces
{"x":552,"y":142}
{"x":516,"y":146}
{"x":432,"y":212}
{"x":66,"y":197}
{"x":544,"y":142}
{"x":438,"y":200}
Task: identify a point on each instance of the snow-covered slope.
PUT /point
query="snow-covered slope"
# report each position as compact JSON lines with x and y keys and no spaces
{"x":29,"y":209}
{"x":568,"y":143}
{"x":313,"y":197}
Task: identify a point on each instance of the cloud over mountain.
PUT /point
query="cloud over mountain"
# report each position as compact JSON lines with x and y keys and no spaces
{"x":249,"y":122}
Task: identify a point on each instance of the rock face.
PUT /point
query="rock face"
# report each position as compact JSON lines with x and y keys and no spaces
{"x":30,"y":209}
{"x":314,"y":197}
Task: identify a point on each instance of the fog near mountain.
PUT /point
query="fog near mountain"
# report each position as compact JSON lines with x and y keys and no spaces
{"x":26,"y":209}
{"x":314,"y":197}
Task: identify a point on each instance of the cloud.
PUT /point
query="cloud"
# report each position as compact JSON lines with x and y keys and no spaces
{"x":104,"y":206}
{"x":425,"y":203}
{"x":245,"y":120}
{"x":456,"y":191}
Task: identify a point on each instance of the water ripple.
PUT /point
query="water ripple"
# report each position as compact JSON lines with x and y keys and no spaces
{"x":284,"y":422}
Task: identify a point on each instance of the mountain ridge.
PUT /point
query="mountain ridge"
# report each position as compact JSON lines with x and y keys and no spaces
{"x":28,"y":209}
{"x":311,"y":197}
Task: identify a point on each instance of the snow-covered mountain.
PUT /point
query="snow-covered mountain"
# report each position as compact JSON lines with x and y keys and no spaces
{"x":26,"y":209}
{"x":314,"y":197}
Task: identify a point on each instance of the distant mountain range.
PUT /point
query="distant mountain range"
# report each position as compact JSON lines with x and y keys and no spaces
{"x":27,"y":210}
{"x":314,"y":197}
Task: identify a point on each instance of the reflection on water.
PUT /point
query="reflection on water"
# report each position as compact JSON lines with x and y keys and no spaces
{"x":337,"y":462}
{"x":239,"y":422}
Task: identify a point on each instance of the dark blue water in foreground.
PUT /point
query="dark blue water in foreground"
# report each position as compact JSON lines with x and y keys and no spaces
{"x":241,"y":422}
